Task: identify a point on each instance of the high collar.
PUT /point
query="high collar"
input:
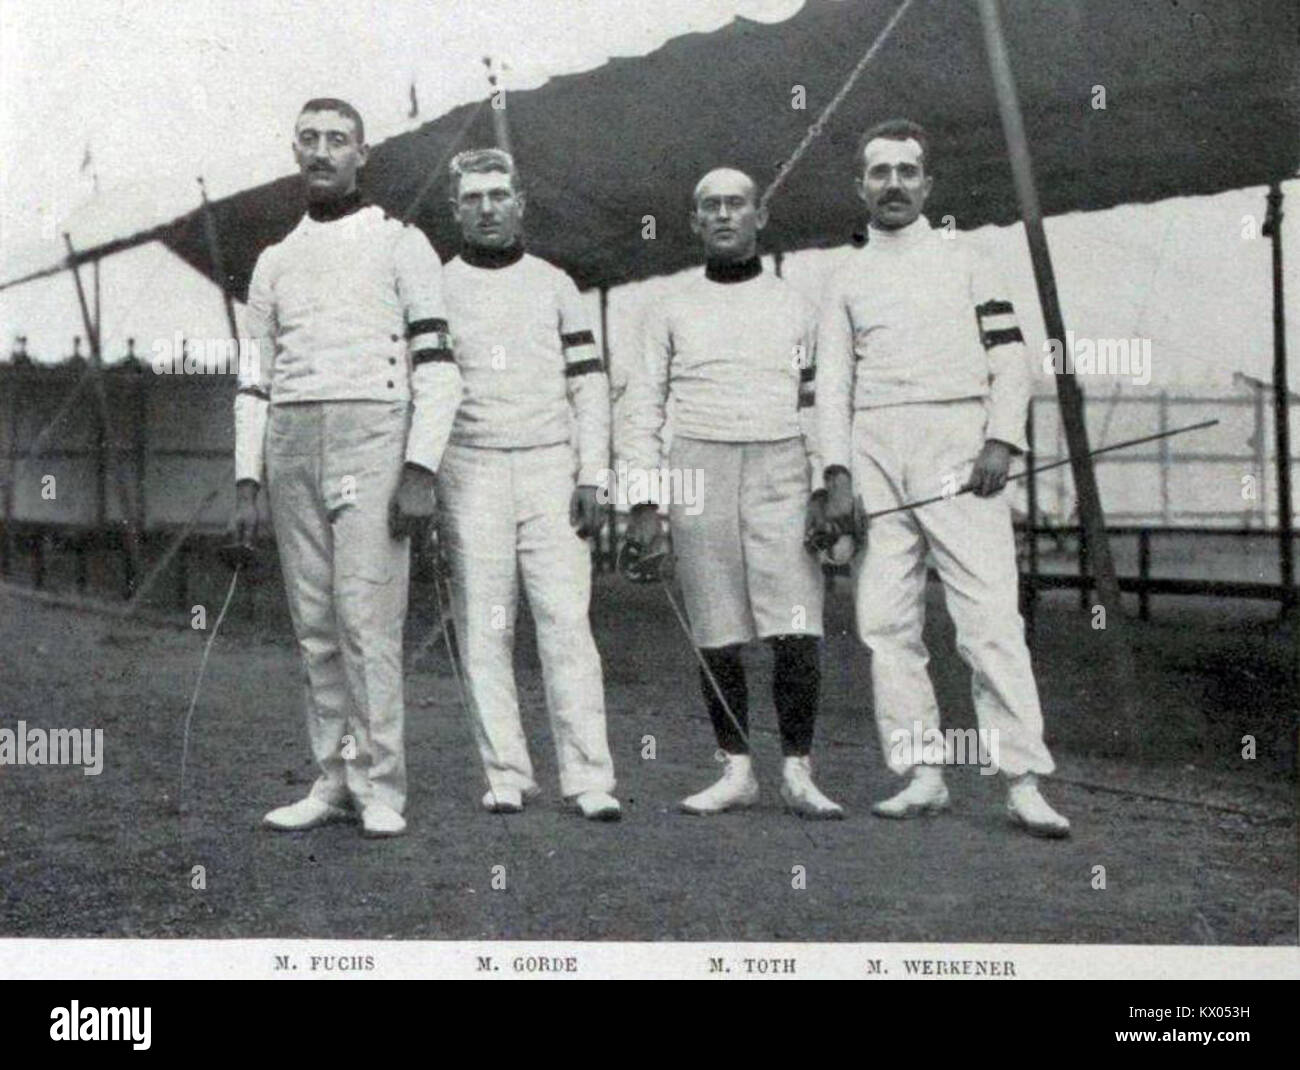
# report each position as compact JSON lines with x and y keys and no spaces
{"x":482,"y":256}
{"x":733,"y":270}
{"x":902,"y":237}
{"x":328,"y":211}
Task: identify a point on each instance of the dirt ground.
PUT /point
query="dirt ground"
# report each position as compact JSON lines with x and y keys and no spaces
{"x":1199,"y":845}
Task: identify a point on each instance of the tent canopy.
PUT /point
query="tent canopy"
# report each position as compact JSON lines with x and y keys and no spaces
{"x":1199,"y":97}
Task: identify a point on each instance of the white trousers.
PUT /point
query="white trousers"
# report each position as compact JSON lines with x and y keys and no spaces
{"x":332,"y":468}
{"x":505,"y":513}
{"x":902,"y":453}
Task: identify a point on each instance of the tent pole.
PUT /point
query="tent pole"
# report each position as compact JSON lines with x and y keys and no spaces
{"x":218,"y":267}
{"x":1070,"y":397}
{"x":611,"y":514}
{"x":101,"y":395}
{"x":1031,"y":521}
{"x":99,"y":323}
{"x":1281,"y":406}
{"x":11,"y":476}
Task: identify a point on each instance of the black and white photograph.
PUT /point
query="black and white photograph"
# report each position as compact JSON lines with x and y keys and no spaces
{"x":705,"y":489}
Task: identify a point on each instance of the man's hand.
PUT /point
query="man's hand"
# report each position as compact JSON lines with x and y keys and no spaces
{"x":816,"y":531}
{"x":840,"y":517}
{"x":644,"y":537}
{"x":989,"y":473}
{"x":835,"y":524}
{"x":412,"y":506}
{"x":585,"y":512}
{"x":244,"y":524}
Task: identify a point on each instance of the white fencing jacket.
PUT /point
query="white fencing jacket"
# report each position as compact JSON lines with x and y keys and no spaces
{"x":916,"y":316}
{"x":528,"y":357}
{"x":348,"y":309}
{"x":736,"y":349}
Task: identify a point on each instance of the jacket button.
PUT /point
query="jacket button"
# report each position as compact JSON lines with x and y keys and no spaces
{"x":390,"y":384}
{"x":393,"y":337}
{"x":392,"y":360}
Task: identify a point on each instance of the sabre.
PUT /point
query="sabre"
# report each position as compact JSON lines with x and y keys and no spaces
{"x":453,"y":655}
{"x":839,"y":555}
{"x":658,"y":567}
{"x":1046,"y":467}
{"x":236,"y":556}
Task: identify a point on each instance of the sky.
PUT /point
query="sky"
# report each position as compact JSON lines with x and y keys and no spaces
{"x":158,"y":94}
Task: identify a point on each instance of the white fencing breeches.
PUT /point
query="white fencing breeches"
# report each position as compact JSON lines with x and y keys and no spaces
{"x":902,"y":453}
{"x":332,"y":469}
{"x":741,"y":561}
{"x":505,"y":513}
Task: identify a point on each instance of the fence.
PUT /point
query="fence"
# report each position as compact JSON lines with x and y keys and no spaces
{"x":171,"y":436}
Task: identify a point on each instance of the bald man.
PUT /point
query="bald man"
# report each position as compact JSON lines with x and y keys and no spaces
{"x":734,"y":348}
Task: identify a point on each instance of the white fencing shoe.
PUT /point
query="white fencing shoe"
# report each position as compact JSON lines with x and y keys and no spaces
{"x":1029,"y":810}
{"x":503,"y":801}
{"x":737,"y":789}
{"x":801,"y":795}
{"x":598,"y":806}
{"x":378,"y":820}
{"x":306,"y":813}
{"x":925,"y":793}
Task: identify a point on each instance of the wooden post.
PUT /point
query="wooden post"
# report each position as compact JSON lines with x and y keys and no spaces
{"x":82,"y":570}
{"x":1165,"y":460}
{"x":1281,"y":403}
{"x":141,"y":450}
{"x":11,"y":476}
{"x":1144,"y":573}
{"x":132,"y":541}
{"x":1031,"y":506}
{"x":1261,"y":458}
{"x":218,"y":265}
{"x":101,"y":463}
{"x":38,"y":557}
{"x":611,"y":519}
{"x":1085,"y":572}
{"x":94,"y":275}
{"x":1092,"y":519}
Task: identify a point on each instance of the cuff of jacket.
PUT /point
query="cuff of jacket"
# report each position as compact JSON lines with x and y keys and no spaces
{"x":1008,"y":428}
{"x":251,"y":415}
{"x":817,"y":473}
{"x":594,"y":474}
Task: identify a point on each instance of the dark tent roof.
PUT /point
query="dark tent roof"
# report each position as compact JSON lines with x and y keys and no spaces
{"x":1200,"y":97}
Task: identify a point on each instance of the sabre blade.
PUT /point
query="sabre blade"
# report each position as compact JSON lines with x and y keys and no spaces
{"x":198,"y":683}
{"x":1046,"y":467}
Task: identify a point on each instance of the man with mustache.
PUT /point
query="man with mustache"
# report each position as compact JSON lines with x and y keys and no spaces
{"x":923,"y":388}
{"x":518,"y":490}
{"x":344,"y":417}
{"x":735,"y":349}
